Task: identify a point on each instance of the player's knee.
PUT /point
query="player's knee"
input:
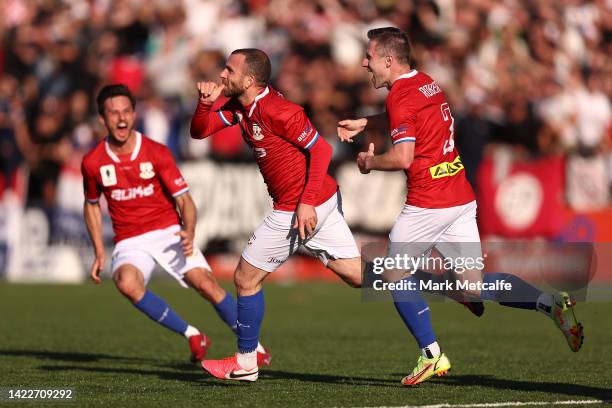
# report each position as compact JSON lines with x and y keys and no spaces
{"x":130,"y":288}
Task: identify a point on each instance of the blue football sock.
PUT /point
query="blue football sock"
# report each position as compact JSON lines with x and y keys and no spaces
{"x":250,"y":315}
{"x":227,"y":310}
{"x":414,"y":311}
{"x":157,"y":309}
{"x":522,"y":295}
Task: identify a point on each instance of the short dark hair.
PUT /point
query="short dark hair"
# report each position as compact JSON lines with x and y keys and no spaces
{"x":110,"y":91}
{"x":258,"y":64}
{"x":392,"y":41}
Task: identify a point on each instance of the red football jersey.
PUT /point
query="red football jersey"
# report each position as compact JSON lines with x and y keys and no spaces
{"x":279,"y":134}
{"x":139,"y":187}
{"x":418,"y":113}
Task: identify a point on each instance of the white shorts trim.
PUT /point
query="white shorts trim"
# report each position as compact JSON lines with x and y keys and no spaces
{"x":274,"y":240}
{"x":159,"y":246}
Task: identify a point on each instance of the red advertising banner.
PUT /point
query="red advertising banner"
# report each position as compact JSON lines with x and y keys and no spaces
{"x":522,"y":199}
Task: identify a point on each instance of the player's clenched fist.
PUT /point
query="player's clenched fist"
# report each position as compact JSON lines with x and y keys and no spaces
{"x":363,"y":159}
{"x":209,"y":91}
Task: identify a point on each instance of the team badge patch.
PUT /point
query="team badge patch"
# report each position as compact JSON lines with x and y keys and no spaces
{"x":146,"y":170}
{"x":109,"y":177}
{"x":257,"y":133}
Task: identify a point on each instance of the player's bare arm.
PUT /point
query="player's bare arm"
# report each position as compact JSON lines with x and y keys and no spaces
{"x":188,"y":213}
{"x":399,"y":157}
{"x":93,"y":220}
{"x":209,"y":91}
{"x":349,"y":128}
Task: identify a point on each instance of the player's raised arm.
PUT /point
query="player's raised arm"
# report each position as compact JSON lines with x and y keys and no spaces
{"x":347,"y":129}
{"x":204,"y":121}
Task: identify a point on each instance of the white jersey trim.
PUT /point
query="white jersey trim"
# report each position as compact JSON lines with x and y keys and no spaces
{"x":183,"y":191}
{"x":135,"y":152}
{"x":407,"y":75}
{"x":257,"y":98}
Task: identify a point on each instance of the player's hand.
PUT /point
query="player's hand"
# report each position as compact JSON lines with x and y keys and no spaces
{"x":96,"y":268}
{"x":349,"y":128}
{"x":209,"y":91}
{"x":305,"y":220}
{"x":186,"y":242}
{"x":364,"y":158}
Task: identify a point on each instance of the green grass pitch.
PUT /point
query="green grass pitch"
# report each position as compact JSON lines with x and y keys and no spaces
{"x":329,"y":349}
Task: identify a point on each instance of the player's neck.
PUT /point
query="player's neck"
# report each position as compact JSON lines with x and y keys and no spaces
{"x":123,"y":148}
{"x":248,"y":97}
{"x":398,"y":72}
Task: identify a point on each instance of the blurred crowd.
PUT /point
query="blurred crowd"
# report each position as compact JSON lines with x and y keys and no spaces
{"x":527,"y":78}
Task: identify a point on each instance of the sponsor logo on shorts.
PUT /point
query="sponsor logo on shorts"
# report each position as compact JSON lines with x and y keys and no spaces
{"x":125,"y":194}
{"x":275,"y":260}
{"x":446,"y":169}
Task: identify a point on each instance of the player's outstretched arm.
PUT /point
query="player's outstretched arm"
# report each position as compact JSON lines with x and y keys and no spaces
{"x":399,"y":157}
{"x":93,"y":221}
{"x":188,"y":213}
{"x":349,"y":128}
{"x":205,"y":122}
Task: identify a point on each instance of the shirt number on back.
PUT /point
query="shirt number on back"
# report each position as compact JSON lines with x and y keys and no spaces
{"x":449,"y":144}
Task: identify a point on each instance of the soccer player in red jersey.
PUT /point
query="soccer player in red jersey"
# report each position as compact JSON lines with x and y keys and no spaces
{"x":143,"y":188}
{"x":440,"y":208}
{"x":293,"y":159}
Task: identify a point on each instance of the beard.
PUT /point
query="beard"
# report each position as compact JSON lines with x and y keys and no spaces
{"x":232,"y":91}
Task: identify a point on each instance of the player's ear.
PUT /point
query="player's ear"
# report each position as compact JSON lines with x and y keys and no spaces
{"x":388,"y":61}
{"x":249,"y":81}
{"x":101,"y":120}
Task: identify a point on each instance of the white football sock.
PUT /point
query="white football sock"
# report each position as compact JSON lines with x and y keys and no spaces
{"x":191,"y":331}
{"x":260,"y":348}
{"x":247,"y":360}
{"x":433,"y":349}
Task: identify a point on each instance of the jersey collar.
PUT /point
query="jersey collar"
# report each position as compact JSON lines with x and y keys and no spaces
{"x":134,"y":152}
{"x":257,"y":98}
{"x":407,"y":75}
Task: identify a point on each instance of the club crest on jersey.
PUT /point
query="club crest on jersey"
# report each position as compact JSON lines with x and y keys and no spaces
{"x":257,"y":133}
{"x":109,"y":177}
{"x":146,"y":170}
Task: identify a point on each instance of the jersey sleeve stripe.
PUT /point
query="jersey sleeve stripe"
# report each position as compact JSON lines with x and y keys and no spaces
{"x":405,"y":139}
{"x":183,"y":191}
{"x":312,"y":142}
{"x":225,"y":121}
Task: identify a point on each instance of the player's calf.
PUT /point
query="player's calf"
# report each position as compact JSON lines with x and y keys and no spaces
{"x":348,"y":269}
{"x":205,"y":284}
